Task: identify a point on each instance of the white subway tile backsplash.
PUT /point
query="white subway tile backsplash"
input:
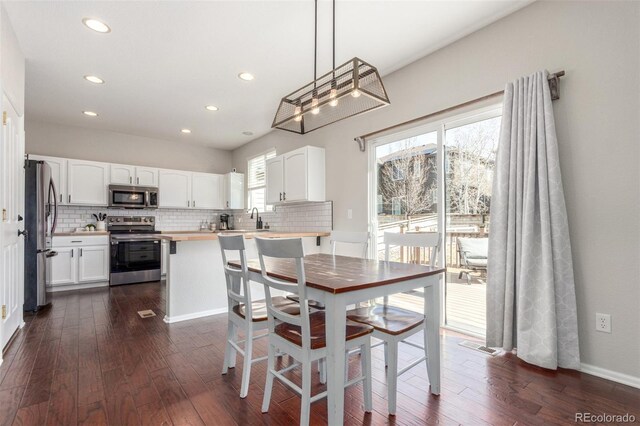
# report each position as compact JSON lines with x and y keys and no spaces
{"x":316,"y":217}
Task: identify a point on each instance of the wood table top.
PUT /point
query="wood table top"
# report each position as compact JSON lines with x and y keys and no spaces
{"x":341,"y":274}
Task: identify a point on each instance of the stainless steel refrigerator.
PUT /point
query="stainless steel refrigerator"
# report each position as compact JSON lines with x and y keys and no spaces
{"x":41,"y":214}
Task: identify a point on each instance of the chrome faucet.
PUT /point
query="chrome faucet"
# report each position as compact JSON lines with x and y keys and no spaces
{"x":258,"y":221}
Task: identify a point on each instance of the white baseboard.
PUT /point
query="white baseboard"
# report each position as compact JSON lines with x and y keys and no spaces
{"x":178,"y":318}
{"x":69,"y":287}
{"x":614,"y":376}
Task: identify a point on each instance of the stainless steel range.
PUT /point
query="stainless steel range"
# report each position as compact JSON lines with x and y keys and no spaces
{"x":135,"y":250}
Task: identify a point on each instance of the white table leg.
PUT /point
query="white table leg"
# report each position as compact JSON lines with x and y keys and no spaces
{"x":432,"y":331}
{"x":335,"y":329}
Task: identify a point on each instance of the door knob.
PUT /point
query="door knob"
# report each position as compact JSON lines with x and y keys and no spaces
{"x":23,"y":232}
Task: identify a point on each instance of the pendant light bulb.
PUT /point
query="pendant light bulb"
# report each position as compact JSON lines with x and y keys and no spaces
{"x":297,"y":114}
{"x":333,"y":95}
{"x":315,"y":109}
{"x":356,"y":93}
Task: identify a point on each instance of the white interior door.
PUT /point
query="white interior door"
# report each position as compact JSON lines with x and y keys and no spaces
{"x":12,"y":199}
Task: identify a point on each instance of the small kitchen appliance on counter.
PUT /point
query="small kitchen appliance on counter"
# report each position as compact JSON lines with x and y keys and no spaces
{"x":226,"y":222}
{"x":136,"y":250}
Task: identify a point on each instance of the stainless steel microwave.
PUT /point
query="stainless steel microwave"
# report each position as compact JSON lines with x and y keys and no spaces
{"x":133,"y":197}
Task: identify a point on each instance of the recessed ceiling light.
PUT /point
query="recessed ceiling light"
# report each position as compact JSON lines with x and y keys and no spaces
{"x":90,"y":113}
{"x":211,"y":108}
{"x":247,"y":133}
{"x":96,"y":25}
{"x":245,"y":76}
{"x":93,"y":79}
{"x":185,"y":131}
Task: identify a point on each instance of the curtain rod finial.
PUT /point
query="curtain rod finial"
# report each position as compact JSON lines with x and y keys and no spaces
{"x":361,"y":144}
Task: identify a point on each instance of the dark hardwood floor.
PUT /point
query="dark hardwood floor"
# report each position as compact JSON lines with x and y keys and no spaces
{"x":90,"y":359}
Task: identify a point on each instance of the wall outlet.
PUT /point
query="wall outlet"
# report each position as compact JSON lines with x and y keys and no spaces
{"x":603,"y":323}
{"x":349,"y":214}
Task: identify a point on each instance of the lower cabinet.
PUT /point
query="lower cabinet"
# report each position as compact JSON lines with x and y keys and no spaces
{"x":77,"y":265}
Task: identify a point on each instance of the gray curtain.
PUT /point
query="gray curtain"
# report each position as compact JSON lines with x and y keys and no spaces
{"x":531,"y":302}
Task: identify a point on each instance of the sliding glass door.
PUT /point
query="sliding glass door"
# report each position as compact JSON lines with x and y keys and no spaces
{"x":438,"y":178}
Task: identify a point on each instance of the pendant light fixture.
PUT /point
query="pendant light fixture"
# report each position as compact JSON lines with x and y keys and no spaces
{"x":350,"y":89}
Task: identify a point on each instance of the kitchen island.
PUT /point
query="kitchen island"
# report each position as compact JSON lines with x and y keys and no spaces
{"x":195,"y":278}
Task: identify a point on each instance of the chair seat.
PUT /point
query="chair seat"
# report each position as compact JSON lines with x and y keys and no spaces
{"x":259,"y":308}
{"x":386,"y":318}
{"x":293,"y":333}
{"x":314,"y":304}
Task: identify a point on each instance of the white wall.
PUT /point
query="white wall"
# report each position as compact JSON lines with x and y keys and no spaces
{"x":597,"y":44}
{"x":98,"y":145}
{"x":12,"y":64}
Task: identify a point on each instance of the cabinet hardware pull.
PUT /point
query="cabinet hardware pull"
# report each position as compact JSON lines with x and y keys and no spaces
{"x":281,"y":196}
{"x":188,"y":203}
{"x":60,"y":197}
{"x":284,"y":196}
{"x":138,"y":180}
{"x":72,"y":250}
{"x":76,"y":241}
{"x":130,"y":179}
{"x":80,"y":252}
{"x":194,"y":203}
{"x":69,"y":197}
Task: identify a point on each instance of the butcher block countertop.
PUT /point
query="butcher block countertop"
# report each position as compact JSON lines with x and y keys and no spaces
{"x":201,"y":236}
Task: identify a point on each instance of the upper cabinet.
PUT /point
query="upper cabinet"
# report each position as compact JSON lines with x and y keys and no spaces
{"x":146,"y":176}
{"x":87,"y":182}
{"x":175,"y":189}
{"x":133,"y":175}
{"x":296,"y":176}
{"x":122,"y":174}
{"x":207,"y":191}
{"x":234,"y":191}
{"x":58,"y":174}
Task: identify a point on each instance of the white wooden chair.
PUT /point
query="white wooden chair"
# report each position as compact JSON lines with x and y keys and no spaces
{"x":351,"y":238}
{"x":303,"y":336}
{"x":243,"y":312}
{"x":393,"y":325}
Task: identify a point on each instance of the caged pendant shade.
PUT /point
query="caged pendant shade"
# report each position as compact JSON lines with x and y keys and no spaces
{"x":350,"y":89}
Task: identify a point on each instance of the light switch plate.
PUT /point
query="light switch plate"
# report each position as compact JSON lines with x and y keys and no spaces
{"x":349,"y":214}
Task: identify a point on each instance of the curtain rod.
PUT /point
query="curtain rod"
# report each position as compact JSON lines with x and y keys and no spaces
{"x":553,"y":87}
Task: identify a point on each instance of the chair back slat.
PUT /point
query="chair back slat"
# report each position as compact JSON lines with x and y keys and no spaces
{"x":290,"y":248}
{"x":240,"y":294}
{"x":426,"y":240}
{"x":349,"y":237}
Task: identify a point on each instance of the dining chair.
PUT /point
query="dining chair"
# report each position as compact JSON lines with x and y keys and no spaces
{"x":343,"y":238}
{"x":243,"y":312}
{"x":303,"y":336}
{"x":393,"y":325}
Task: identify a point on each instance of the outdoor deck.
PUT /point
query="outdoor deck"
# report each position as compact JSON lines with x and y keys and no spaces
{"x":465,"y":304}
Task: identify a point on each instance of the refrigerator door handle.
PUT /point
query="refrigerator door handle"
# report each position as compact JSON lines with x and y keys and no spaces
{"x":54,"y":223}
{"x":51,"y":253}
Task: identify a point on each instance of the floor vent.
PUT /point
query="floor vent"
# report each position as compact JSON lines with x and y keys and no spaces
{"x":478,"y":347}
{"x":146,"y":314}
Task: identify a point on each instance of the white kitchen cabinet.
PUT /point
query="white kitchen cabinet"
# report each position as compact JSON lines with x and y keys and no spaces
{"x":87,"y":182}
{"x":207,"y":191}
{"x":175,"y":189}
{"x":58,"y":174}
{"x":63,"y":268}
{"x":93,"y":264}
{"x":275,"y":179}
{"x":82,"y":261}
{"x":122,"y":174}
{"x":234,"y":191}
{"x":146,"y":176}
{"x":296,"y":176}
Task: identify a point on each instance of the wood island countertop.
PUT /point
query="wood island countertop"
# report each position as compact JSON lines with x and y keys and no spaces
{"x":203,"y":236}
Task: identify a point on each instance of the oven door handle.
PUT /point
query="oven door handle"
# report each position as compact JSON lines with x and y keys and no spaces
{"x":155,"y":241}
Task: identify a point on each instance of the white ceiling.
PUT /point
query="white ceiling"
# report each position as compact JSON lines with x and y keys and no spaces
{"x":164,"y":61}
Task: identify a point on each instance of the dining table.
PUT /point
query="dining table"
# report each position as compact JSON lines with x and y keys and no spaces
{"x":340,"y":281}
